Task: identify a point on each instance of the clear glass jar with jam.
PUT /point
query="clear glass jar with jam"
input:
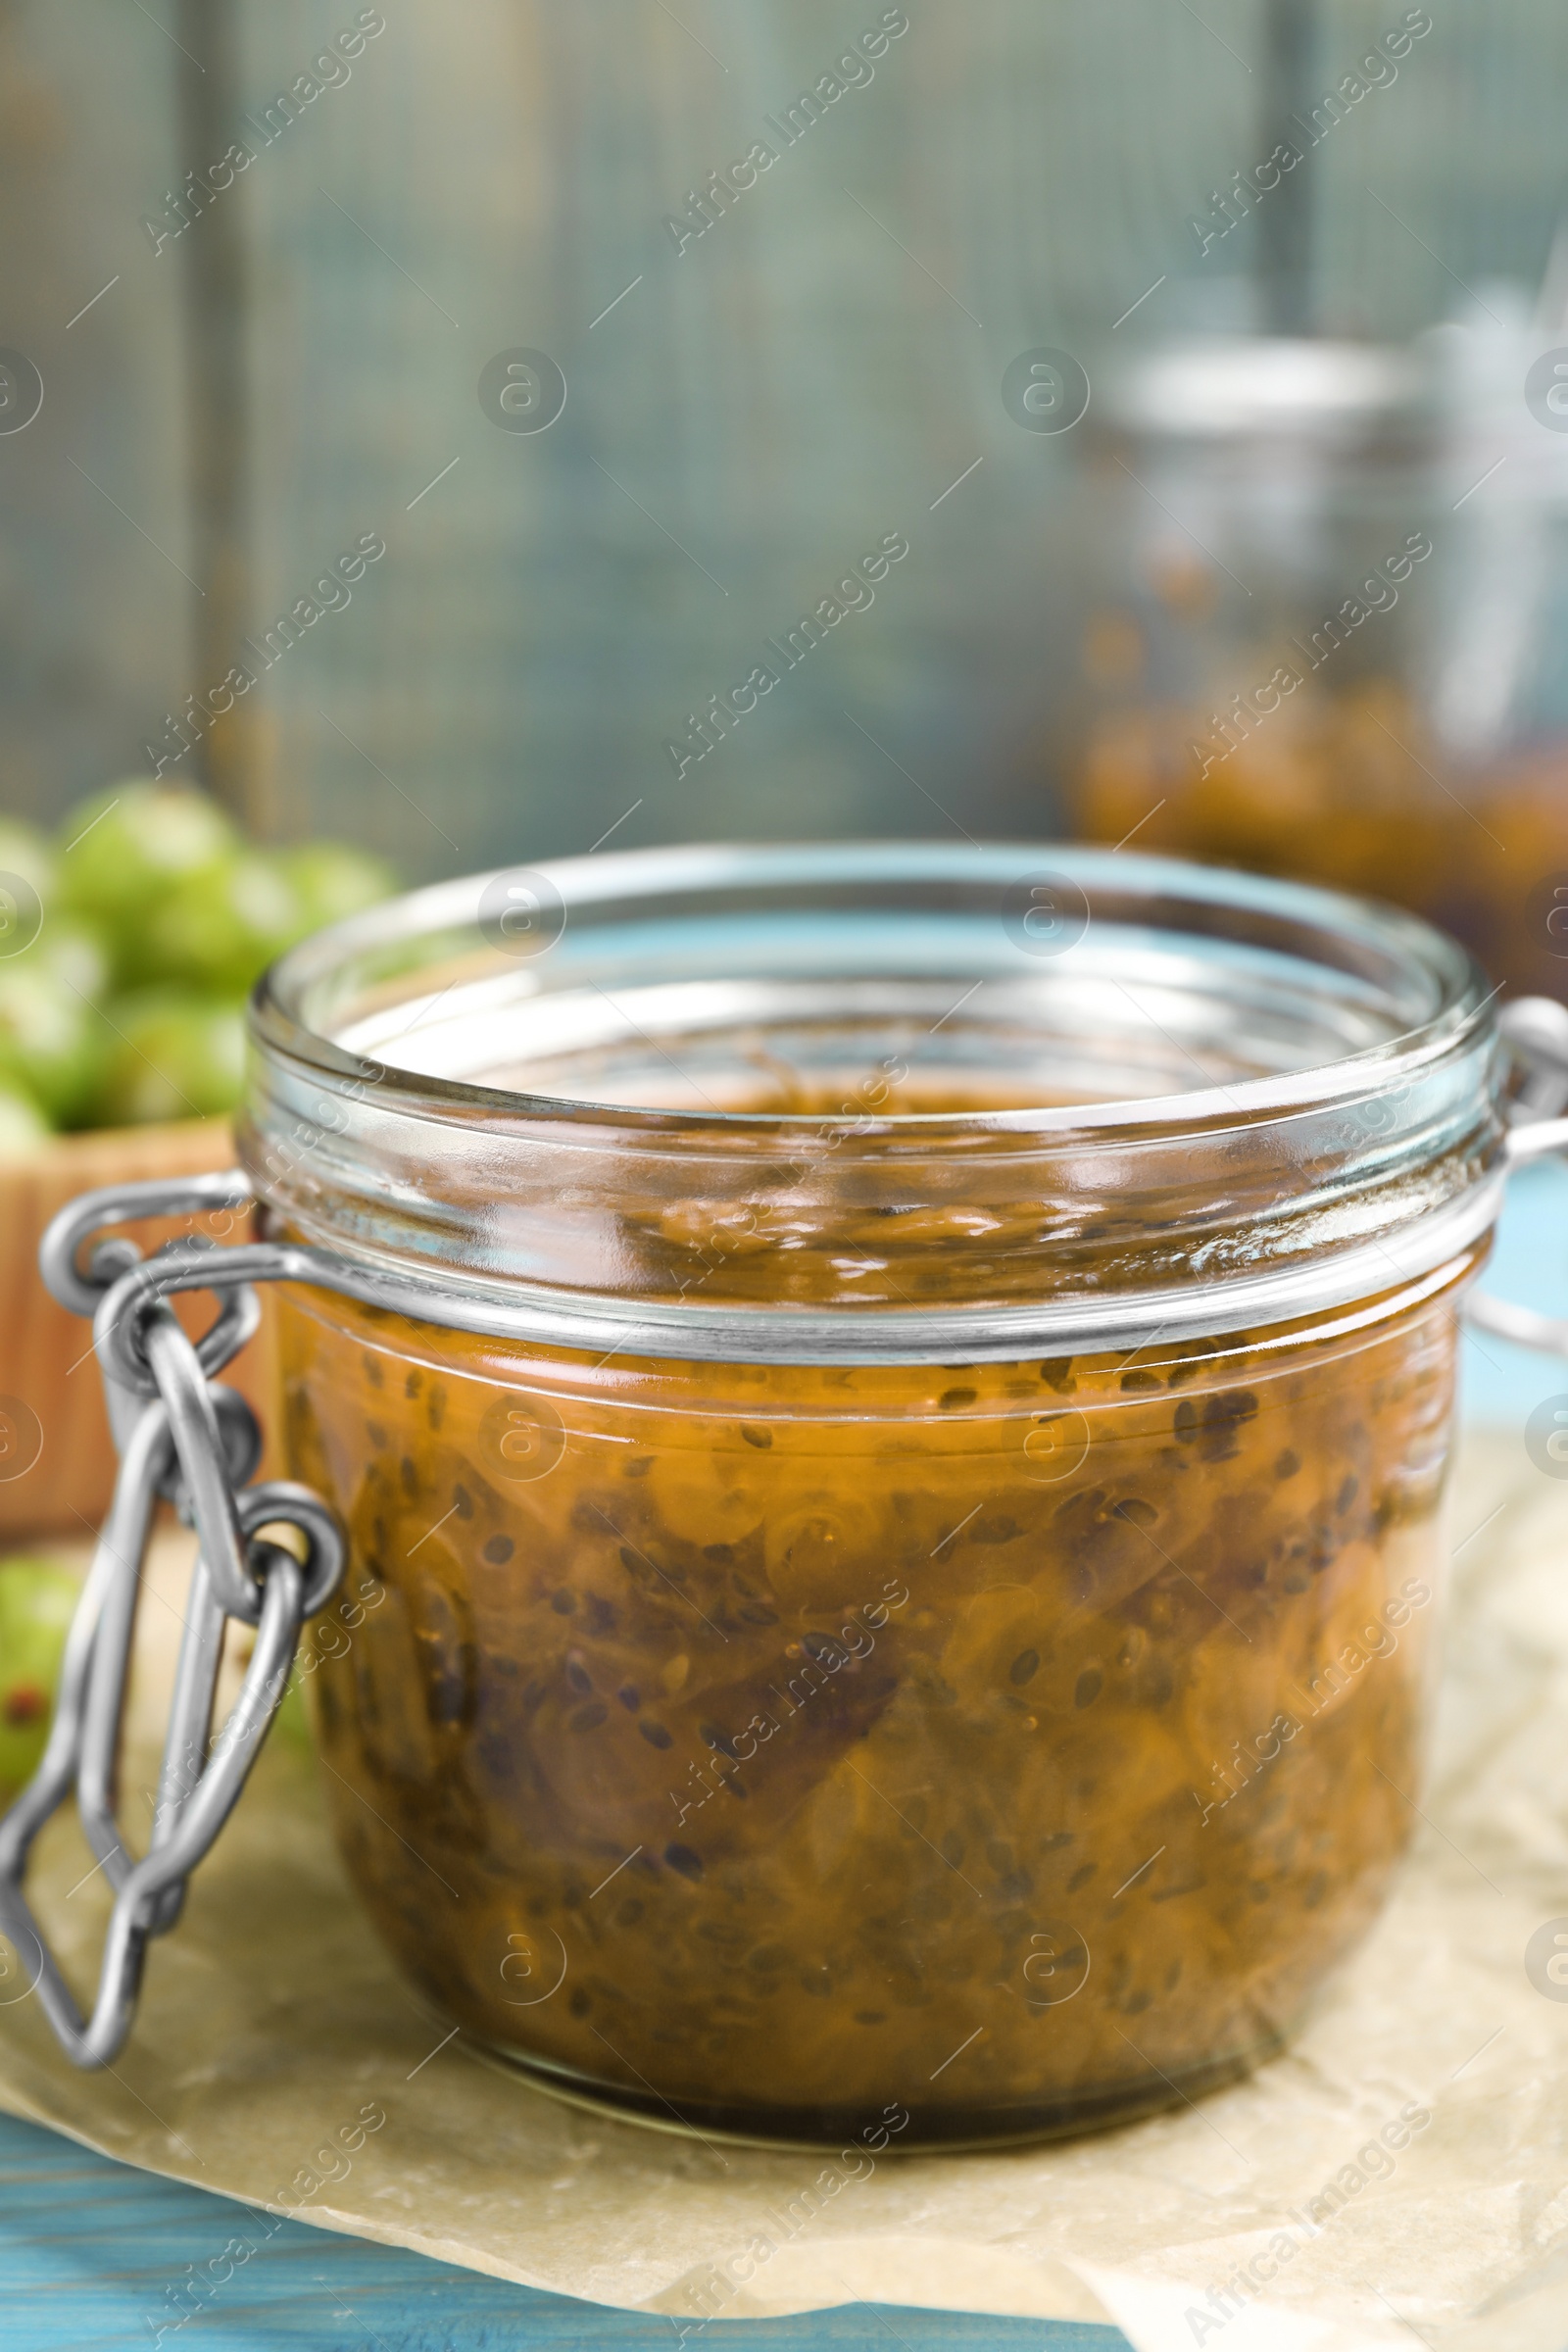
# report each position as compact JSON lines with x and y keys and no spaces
{"x":1325,"y":626}
{"x":891,"y":1407}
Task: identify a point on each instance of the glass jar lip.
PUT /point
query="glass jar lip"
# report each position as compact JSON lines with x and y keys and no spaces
{"x":1353,"y":1134}
{"x":1217,"y":389}
{"x":1354,"y":934}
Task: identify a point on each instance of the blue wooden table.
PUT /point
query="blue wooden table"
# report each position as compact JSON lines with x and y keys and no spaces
{"x":88,"y":2249}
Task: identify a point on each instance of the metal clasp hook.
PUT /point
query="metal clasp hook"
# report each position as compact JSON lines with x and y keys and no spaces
{"x":1536,"y":1030}
{"x":179,"y":1435}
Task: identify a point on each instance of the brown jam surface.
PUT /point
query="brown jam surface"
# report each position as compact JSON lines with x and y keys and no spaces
{"x":1002,"y":1748}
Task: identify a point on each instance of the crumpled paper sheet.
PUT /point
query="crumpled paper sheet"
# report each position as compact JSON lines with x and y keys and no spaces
{"x":273,"y":2033}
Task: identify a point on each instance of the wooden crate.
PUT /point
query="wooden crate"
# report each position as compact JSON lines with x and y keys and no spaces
{"x":57,"y":1462}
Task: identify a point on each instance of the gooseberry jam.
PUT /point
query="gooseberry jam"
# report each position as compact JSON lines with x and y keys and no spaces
{"x":899,"y":1573}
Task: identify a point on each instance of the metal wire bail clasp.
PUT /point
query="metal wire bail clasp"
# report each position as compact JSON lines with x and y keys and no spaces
{"x":1536,"y":1030}
{"x":183,"y":1437}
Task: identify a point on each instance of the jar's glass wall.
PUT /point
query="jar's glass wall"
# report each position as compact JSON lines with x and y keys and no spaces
{"x":1010,"y":1746}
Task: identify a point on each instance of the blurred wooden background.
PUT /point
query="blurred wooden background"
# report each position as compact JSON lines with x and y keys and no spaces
{"x":300,"y":365}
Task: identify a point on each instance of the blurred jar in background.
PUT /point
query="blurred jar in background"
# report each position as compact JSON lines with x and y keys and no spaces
{"x":1309,"y":653}
{"x":1497,"y":667}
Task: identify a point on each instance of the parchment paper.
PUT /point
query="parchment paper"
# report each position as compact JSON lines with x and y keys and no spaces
{"x":273,"y":2032}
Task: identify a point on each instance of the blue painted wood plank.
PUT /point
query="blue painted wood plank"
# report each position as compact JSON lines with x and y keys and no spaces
{"x":1503,"y":1383}
{"x":90,"y":2251}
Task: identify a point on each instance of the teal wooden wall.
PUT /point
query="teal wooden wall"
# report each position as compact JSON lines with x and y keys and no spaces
{"x":808,"y":376}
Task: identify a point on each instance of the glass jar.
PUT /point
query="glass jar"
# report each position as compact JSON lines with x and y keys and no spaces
{"x":1265,"y":511}
{"x":893,"y":1439}
{"x":1324,"y":630}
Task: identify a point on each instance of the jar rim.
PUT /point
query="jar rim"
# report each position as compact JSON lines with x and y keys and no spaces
{"x":1300,"y":1179}
{"x":1218,"y":388}
{"x":1363,"y":930}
